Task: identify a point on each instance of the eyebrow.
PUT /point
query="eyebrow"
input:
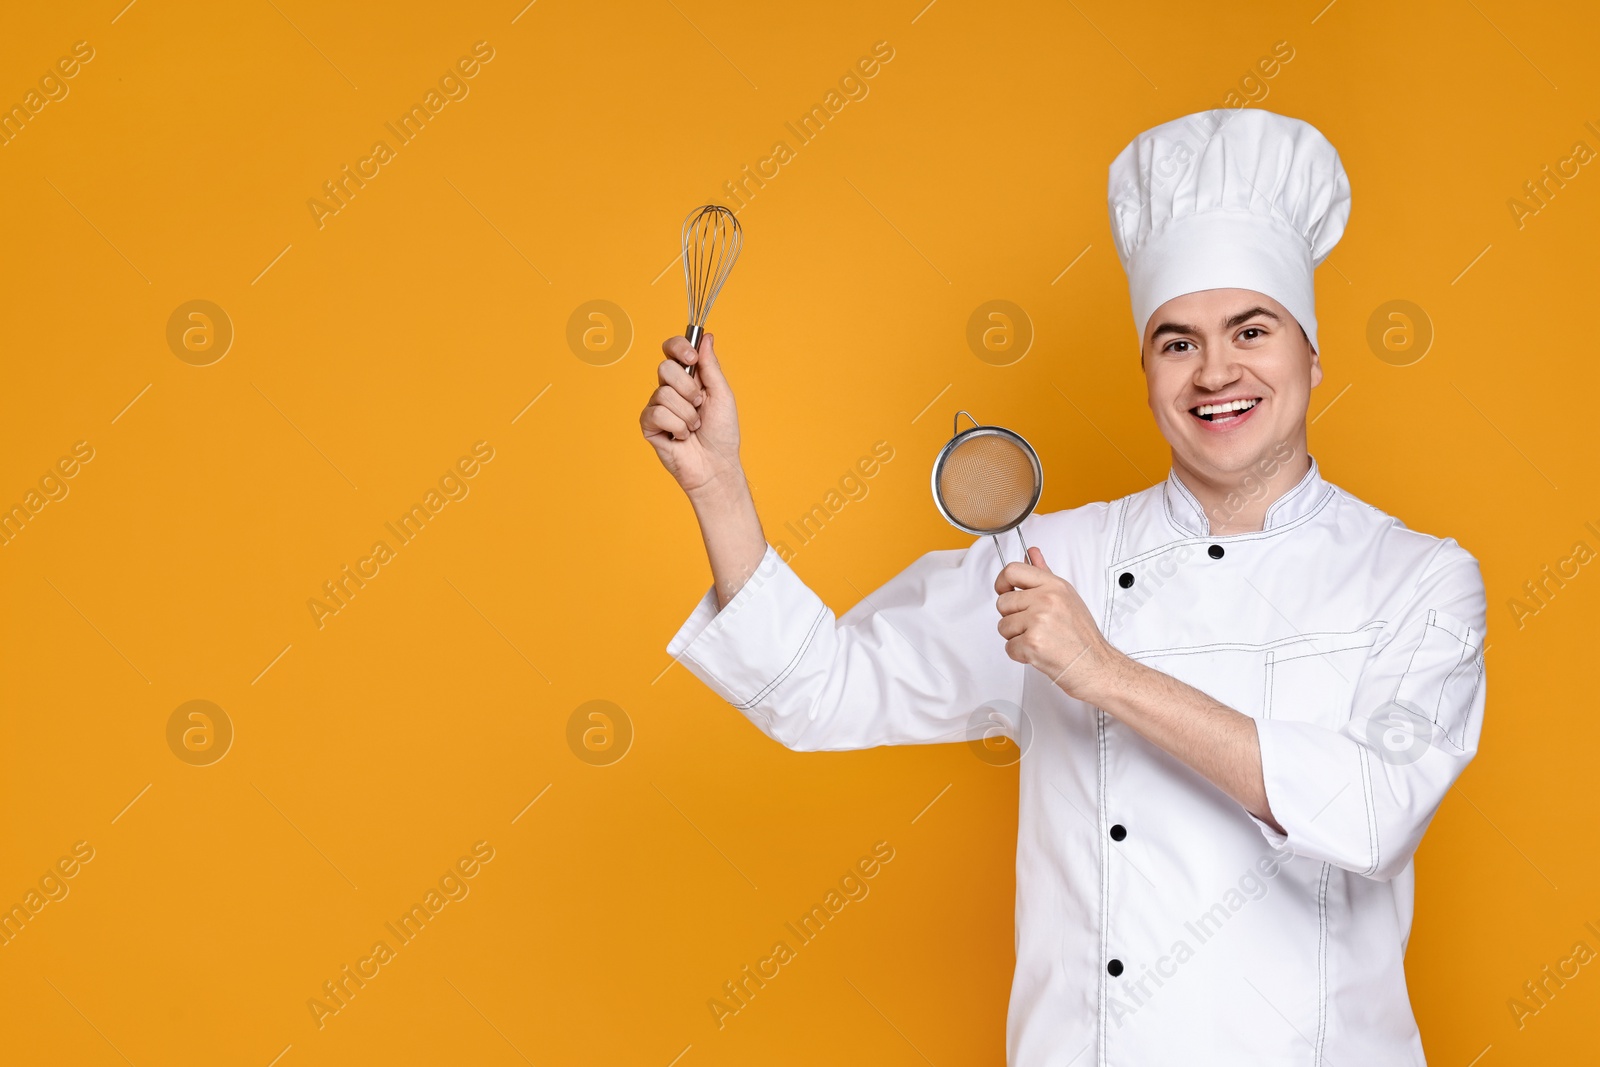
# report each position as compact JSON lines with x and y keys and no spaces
{"x":1172,"y":327}
{"x":1235,"y":320}
{"x":1246,"y":316}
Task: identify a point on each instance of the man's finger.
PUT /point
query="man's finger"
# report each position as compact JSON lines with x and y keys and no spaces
{"x":669,"y":398}
{"x":1020,"y":576}
{"x":679,"y":348}
{"x":706,"y":356}
{"x":1011,"y":627}
{"x":1010,"y":603}
{"x":659,"y":421}
{"x":669,"y":372}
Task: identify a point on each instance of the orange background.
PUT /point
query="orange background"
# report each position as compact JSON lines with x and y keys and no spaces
{"x":370,"y":353}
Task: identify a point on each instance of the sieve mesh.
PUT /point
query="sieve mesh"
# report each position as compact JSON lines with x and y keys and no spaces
{"x":988,"y":482}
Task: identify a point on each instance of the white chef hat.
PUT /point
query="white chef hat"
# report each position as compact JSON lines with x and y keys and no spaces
{"x":1235,"y":198}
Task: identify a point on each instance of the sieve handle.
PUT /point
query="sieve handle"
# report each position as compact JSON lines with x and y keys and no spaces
{"x":1001,"y":554}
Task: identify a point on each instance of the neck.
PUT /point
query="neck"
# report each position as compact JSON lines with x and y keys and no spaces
{"x":1237,"y":501}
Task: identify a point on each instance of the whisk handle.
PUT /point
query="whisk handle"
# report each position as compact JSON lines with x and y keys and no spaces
{"x":693,"y":335}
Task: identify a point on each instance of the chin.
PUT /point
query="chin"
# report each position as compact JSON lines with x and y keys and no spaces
{"x":1231,"y":454}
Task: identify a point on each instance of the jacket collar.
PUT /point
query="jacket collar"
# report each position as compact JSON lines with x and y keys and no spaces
{"x":1305,"y":497}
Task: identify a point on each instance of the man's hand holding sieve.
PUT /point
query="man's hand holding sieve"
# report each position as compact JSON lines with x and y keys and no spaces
{"x":1047,"y":625}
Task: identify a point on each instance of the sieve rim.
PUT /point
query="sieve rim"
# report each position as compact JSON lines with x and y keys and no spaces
{"x":987,"y":431}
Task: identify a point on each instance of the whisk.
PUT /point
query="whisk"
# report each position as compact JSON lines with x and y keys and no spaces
{"x":711,"y":241}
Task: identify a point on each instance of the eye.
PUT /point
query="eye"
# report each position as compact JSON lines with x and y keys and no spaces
{"x":1251,"y":330}
{"x":1168,"y":347}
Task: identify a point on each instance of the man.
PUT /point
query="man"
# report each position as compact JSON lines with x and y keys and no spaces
{"x":1245,"y":691}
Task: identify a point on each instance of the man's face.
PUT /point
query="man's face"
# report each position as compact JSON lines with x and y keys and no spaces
{"x":1236,"y":348}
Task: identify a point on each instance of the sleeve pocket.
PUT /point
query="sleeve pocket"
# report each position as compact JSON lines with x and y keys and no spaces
{"x":1442,"y":678}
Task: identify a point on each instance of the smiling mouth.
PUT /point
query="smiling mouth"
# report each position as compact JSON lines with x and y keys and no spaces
{"x":1227,"y":411}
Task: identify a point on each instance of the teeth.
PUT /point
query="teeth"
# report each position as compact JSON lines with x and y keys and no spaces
{"x":1218,"y":409}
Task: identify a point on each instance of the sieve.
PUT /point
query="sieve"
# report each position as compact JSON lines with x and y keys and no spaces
{"x":986,"y":480}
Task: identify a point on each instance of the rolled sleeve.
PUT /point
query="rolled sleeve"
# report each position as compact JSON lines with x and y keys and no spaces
{"x":909,"y":664}
{"x":747,"y":649}
{"x":1361,"y":796}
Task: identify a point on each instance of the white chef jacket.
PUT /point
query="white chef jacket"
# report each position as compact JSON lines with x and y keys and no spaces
{"x":1235,"y":945}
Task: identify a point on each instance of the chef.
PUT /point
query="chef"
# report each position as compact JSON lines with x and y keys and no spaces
{"x":1242,"y":692}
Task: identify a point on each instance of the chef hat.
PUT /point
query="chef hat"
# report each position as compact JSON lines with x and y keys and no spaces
{"x":1235,"y":198}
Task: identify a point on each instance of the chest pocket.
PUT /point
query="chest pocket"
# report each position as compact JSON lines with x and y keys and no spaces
{"x":1231,"y":674}
{"x":1313,"y":678}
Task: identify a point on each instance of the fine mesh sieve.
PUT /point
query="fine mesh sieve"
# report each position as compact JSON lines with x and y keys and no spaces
{"x":986,"y":480}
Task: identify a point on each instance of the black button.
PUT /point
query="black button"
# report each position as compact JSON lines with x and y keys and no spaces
{"x":1215,"y":551}
{"x":1114,"y":968}
{"x":1126,"y":581}
{"x":1118,"y":832}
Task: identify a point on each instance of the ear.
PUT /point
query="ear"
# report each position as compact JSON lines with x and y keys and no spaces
{"x":1316,"y":366}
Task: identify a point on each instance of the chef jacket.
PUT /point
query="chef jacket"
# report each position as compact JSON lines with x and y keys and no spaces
{"x":1157,"y":922}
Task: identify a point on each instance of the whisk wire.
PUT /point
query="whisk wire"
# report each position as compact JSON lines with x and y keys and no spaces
{"x":712,"y":238}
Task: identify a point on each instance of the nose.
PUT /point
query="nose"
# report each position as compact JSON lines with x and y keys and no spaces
{"x":1216,"y":369}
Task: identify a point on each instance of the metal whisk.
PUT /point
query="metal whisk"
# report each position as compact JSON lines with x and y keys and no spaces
{"x":711,"y":241}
